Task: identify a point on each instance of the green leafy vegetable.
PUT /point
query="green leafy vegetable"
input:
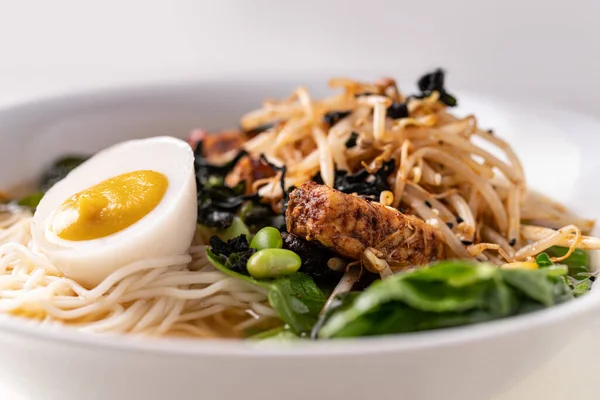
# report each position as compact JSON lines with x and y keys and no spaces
{"x":446,"y":294}
{"x":296,"y":298}
{"x":579,"y":288}
{"x":32,"y":200}
{"x":543,"y":260}
{"x":535,"y":285}
{"x":281,"y":333}
{"x":577,"y":262}
{"x":237,"y":228}
{"x":580,"y":278}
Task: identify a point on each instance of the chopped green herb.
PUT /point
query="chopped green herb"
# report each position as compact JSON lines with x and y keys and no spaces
{"x":543,"y":260}
{"x":32,"y":200}
{"x":577,"y":262}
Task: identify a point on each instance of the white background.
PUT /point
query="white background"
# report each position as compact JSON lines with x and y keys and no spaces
{"x":543,"y":50}
{"x":523,"y":48}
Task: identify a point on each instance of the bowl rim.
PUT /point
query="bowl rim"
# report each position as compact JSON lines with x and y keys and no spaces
{"x":417,"y":341}
{"x":28,"y":329}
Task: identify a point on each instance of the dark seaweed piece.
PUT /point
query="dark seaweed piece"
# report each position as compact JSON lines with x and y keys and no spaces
{"x":256,"y":216}
{"x":362,"y":182}
{"x":314,"y":258}
{"x":56,"y":172}
{"x":364,"y":94}
{"x":234,"y":253}
{"x":261,"y":128}
{"x":397,"y":111}
{"x":60,"y":169}
{"x":286,"y":193}
{"x":217,"y":202}
{"x":365,"y":280}
{"x":351,"y":142}
{"x":333,"y":117}
{"x":211,"y":173}
{"x":434,"y":81}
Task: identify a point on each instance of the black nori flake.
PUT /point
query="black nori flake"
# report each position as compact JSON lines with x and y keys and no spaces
{"x":362,"y":182}
{"x":512,"y":242}
{"x":314,"y":258}
{"x":434,"y":81}
{"x":449,"y":225}
{"x":592,"y":278}
{"x":333,"y":117}
{"x":283,"y":170}
{"x":59,"y":169}
{"x":256,"y":216}
{"x":397,"y":111}
{"x":459,"y":220}
{"x":466,"y":242}
{"x":351,"y":142}
{"x":364,"y":94}
{"x":261,"y":128}
{"x":217,"y":202}
{"x":234,"y":253}
{"x":428,"y":204}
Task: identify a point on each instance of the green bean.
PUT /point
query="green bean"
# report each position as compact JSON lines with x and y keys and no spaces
{"x":267,"y":238}
{"x":273,"y":263}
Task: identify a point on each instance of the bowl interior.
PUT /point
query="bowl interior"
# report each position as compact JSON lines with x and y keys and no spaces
{"x":556,"y":146}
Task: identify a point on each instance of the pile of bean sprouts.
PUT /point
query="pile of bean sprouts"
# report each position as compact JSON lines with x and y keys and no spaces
{"x":479,"y":201}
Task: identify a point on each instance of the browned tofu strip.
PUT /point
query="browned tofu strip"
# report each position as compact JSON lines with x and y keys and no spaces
{"x":349,"y":224}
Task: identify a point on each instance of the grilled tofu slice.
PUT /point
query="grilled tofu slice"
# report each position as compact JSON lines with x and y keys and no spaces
{"x":349,"y":225}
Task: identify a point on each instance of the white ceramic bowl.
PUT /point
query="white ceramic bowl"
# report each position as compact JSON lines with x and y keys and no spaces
{"x":476,"y":362}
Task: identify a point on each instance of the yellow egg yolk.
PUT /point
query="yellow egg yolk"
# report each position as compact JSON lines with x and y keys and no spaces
{"x":110,"y":206}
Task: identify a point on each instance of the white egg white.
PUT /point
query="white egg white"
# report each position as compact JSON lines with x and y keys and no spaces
{"x":166,"y":231}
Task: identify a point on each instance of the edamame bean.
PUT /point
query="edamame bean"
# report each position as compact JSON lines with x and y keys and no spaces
{"x":267,"y":238}
{"x":273,"y":263}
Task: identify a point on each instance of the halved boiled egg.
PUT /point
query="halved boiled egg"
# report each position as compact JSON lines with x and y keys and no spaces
{"x":131,"y":202}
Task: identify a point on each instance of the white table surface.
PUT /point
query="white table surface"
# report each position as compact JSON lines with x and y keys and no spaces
{"x":53,"y":47}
